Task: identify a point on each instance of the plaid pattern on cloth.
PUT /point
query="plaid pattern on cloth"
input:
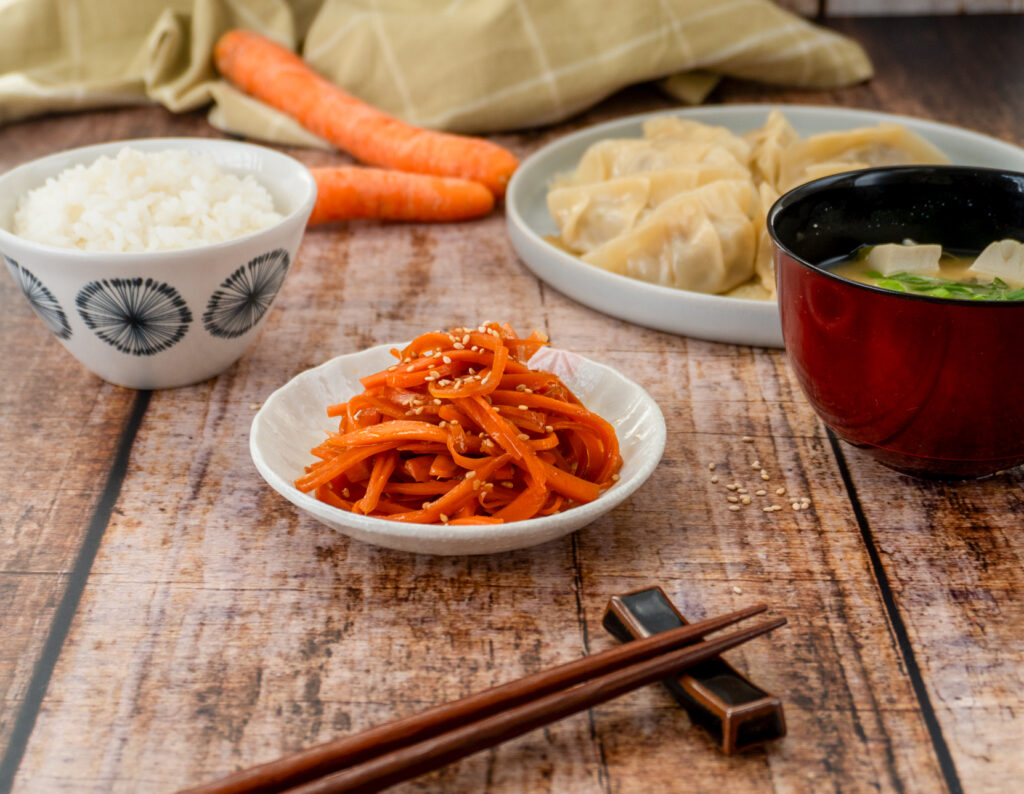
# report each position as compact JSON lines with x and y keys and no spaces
{"x":460,"y":65}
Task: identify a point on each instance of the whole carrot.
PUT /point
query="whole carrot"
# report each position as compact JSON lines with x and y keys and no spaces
{"x":279,"y":77}
{"x":350,"y":192}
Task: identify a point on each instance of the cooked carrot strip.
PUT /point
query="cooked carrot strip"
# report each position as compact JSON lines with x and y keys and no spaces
{"x":529,"y":501}
{"x":279,"y":77}
{"x":321,"y":474}
{"x":383,"y":465}
{"x":570,"y":485}
{"x":398,"y":430}
{"x":420,"y":488}
{"x":443,"y":467}
{"x":503,"y":433}
{"x":419,"y":467}
{"x":467,"y":387}
{"x":461,"y":431}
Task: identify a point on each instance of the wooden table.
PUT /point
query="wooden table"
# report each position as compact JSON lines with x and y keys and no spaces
{"x":167,"y":618}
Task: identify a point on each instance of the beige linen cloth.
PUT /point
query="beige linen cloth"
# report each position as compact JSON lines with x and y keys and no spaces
{"x":461,"y":65}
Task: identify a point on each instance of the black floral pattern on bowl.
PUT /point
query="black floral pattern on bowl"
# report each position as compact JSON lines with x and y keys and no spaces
{"x":244,"y":296}
{"x":40,"y":299}
{"x":138,"y":316}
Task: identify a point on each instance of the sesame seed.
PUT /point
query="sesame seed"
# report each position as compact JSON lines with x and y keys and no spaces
{"x":344,"y":492}
{"x":732,"y":499}
{"x":523,"y":408}
{"x":393,"y":367}
{"x":426,"y":505}
{"x":748,"y":439}
{"x":714,"y":479}
{"x":615,"y":478}
{"x":549,"y":429}
{"x":459,"y":346}
{"x":741,"y":490}
{"x":444,"y":518}
{"x":524,"y":437}
{"x":780,"y":491}
{"x":465,"y":339}
{"x":760,"y":492}
{"x":767,"y":509}
{"x":410,"y":368}
{"x":737,"y":590}
{"x":764,"y":476}
{"x":476,"y":485}
{"x":734,"y":508}
{"x":745,"y":500}
{"x":437,"y":401}
{"x":507,"y":484}
{"x":731,"y":486}
{"x":470,"y":474}
{"x":756,"y":465}
{"x":446,"y":359}
{"x":711,"y":467}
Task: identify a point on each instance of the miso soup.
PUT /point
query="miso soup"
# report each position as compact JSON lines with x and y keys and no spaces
{"x":995,"y":274}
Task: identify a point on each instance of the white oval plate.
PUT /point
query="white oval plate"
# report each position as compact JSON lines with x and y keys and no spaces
{"x":293,"y":420}
{"x":713,"y":317}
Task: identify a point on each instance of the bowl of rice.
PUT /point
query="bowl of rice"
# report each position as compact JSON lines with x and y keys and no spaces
{"x":154,"y":262}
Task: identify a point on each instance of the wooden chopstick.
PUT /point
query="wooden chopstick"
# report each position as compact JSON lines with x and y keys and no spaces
{"x":430,"y":754}
{"x":324,"y":759}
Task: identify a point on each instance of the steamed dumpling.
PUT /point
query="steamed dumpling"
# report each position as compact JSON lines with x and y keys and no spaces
{"x":702,"y":240}
{"x":764,"y":261}
{"x":592,"y":214}
{"x":668,"y":129}
{"x":833,"y":152}
{"x":670,"y":146}
{"x":768,"y":142}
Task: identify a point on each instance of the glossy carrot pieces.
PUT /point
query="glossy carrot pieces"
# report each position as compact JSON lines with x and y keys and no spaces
{"x":461,"y":431}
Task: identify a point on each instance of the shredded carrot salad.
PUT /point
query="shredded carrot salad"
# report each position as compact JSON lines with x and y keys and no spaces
{"x":461,"y":431}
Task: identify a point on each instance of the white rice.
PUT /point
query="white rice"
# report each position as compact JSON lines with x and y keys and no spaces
{"x":144,"y":201}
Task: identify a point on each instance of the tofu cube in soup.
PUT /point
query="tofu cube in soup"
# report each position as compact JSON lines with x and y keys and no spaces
{"x":893,"y":258}
{"x":1002,"y":259}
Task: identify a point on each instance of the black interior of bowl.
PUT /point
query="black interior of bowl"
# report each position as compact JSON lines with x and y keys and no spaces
{"x":960,"y":208}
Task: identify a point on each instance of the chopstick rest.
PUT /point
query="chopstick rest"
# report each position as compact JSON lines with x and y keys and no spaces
{"x":736,"y":712}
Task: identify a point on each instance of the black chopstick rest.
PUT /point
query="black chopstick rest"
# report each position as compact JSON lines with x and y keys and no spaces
{"x":734,"y":710}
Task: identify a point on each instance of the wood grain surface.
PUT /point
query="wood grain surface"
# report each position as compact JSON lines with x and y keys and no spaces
{"x":166,"y":618}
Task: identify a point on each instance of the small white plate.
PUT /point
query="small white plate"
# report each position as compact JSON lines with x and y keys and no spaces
{"x":713,"y":317}
{"x":293,"y":420}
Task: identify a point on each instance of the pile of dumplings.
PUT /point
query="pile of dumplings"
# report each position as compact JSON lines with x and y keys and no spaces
{"x":685,"y":205}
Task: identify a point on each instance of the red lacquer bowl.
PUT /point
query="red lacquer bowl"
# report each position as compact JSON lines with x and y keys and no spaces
{"x":930,"y":387}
